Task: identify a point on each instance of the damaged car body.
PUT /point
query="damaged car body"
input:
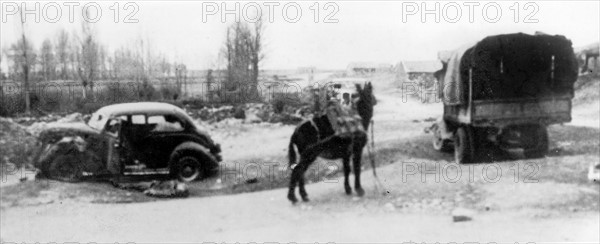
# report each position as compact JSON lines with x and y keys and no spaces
{"x":145,"y":138}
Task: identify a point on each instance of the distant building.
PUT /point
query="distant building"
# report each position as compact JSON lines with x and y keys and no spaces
{"x":310,"y":71}
{"x":414,"y":70}
{"x":307,"y":70}
{"x":589,"y":57}
{"x":362,"y":68}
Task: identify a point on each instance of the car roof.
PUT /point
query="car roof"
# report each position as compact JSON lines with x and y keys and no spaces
{"x":150,"y":108}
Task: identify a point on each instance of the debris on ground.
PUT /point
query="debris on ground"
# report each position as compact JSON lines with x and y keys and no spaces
{"x":164,"y":189}
{"x":171,"y":188}
{"x":462,"y":215}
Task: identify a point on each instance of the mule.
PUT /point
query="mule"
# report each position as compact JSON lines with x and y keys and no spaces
{"x":316,"y":138}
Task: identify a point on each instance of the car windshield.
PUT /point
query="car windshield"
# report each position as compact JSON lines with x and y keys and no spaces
{"x":98,"y":120}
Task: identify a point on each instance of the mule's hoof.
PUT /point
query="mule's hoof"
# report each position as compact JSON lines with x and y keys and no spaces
{"x":305,"y":199}
{"x":292,"y":198}
{"x":360,"y":192}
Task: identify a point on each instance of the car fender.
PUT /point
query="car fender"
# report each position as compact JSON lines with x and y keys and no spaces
{"x":196,"y":148}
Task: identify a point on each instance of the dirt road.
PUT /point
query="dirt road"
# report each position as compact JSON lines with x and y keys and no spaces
{"x":509,"y":199}
{"x":267,"y":216}
{"x":331,"y":217}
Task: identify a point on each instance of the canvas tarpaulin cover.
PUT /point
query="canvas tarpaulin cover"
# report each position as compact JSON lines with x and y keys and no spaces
{"x":509,"y":66}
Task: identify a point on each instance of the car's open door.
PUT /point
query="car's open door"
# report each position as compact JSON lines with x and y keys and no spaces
{"x":113,"y":160}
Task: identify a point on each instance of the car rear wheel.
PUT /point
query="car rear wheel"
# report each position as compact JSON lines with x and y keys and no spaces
{"x":188,"y":168}
{"x":65,"y":168}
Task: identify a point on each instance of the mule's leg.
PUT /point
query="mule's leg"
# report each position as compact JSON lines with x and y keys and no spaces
{"x":356,"y":158}
{"x":346,"y":160}
{"x":307,"y":157}
{"x":357,"y":187}
{"x":292,"y":188}
{"x":298,"y":177}
{"x":303,"y":193}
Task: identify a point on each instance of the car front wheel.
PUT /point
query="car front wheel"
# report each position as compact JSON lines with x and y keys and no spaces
{"x":65,"y":168}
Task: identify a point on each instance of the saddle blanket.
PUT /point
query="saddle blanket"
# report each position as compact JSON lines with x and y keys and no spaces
{"x":343,"y":120}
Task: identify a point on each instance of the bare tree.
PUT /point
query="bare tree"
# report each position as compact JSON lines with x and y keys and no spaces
{"x":257,"y":49}
{"x":243,"y":50}
{"x":47,"y":60}
{"x":87,"y":59}
{"x":180,"y":77}
{"x":102,"y":57}
{"x":165,"y":67}
{"x":63,"y":53}
{"x":24,"y":59}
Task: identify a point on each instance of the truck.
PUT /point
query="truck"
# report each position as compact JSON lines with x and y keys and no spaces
{"x":504,"y":90}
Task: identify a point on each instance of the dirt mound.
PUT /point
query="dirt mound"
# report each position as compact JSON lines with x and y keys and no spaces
{"x":587,"y":89}
{"x":16,"y":143}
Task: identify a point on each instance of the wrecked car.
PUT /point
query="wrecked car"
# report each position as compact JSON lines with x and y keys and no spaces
{"x":145,"y":138}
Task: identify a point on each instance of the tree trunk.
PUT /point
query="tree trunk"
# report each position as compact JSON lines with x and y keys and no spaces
{"x":26,"y":84}
{"x":84,"y":92}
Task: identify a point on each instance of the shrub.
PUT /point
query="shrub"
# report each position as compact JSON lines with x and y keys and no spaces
{"x":168,"y":92}
{"x":281,"y":101}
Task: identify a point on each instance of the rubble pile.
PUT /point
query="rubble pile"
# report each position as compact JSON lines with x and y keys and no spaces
{"x":37,"y":127}
{"x":27,"y":121}
{"x":249,"y":113}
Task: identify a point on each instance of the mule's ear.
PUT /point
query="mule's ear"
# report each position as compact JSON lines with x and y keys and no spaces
{"x":358,"y":88}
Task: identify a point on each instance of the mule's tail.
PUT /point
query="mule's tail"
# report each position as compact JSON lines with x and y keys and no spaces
{"x":292,"y":151}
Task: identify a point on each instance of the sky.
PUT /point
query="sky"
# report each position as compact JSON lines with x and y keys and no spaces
{"x":339,"y":33}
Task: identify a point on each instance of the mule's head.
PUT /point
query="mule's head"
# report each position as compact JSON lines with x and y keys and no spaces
{"x":366,"y":102}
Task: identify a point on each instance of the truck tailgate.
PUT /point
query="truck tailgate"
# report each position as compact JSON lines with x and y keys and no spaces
{"x":547,"y":110}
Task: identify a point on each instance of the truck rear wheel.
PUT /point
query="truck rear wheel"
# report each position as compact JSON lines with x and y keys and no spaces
{"x":463,"y":145}
{"x":540,"y":149}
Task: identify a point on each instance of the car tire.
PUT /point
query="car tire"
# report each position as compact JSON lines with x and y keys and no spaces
{"x":463,"y":145}
{"x":540,"y":149}
{"x":187,"y":169}
{"x":65,"y":168}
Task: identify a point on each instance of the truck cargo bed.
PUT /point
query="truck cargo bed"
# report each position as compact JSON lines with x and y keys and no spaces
{"x":511,"y":111}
